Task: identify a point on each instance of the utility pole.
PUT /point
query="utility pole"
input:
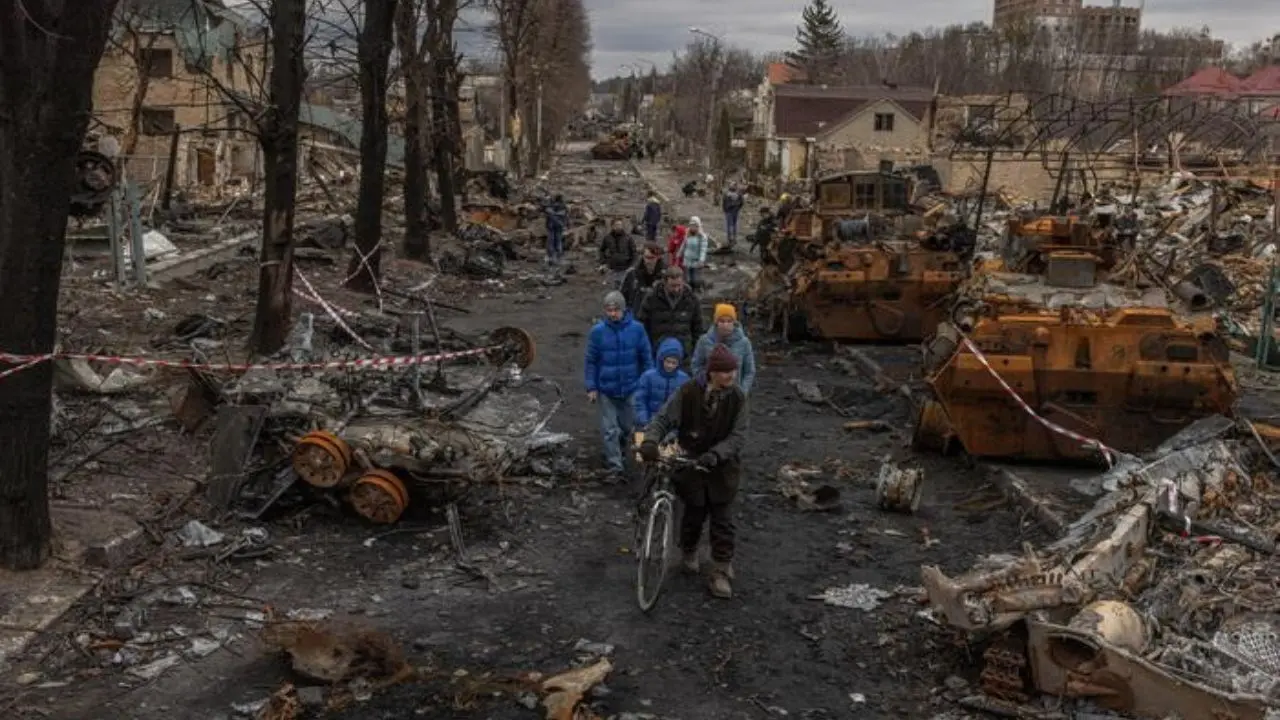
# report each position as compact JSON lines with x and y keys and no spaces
{"x":502,"y":119}
{"x":537,"y":170}
{"x":715,"y":87}
{"x":711,"y":109}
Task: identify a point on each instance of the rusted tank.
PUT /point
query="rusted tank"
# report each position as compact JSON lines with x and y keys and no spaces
{"x":615,"y":147}
{"x":1129,"y":374}
{"x":859,"y":265}
{"x":1051,"y":325}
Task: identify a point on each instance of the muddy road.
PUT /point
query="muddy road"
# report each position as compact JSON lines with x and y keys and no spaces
{"x":551,"y":566}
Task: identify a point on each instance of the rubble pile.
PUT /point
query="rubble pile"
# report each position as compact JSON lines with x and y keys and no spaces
{"x":1158,"y":602}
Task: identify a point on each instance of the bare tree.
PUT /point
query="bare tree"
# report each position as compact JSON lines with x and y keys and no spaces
{"x":559,"y":53}
{"x":445,"y":84}
{"x":49,"y":50}
{"x":413,"y":67}
{"x":374,"y":49}
{"x":278,"y":138}
{"x":513,"y":27}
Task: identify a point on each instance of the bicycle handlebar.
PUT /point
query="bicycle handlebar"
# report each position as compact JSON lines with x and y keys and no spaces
{"x":680,"y":462}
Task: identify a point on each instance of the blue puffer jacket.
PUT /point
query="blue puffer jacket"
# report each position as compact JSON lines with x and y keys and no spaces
{"x":657,"y":384}
{"x":618,"y":353}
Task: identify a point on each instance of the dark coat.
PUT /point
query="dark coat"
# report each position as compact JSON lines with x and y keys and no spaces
{"x":617,"y":251}
{"x":638,"y":281}
{"x":557,"y":216}
{"x":680,"y":318}
{"x":652,"y":214}
{"x":722,"y":431}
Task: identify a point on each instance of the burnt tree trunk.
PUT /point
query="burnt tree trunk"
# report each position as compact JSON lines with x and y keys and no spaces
{"x":49,"y":50}
{"x":417,"y":228}
{"x":278,"y":137}
{"x":445,"y":141}
{"x":374,"y":50}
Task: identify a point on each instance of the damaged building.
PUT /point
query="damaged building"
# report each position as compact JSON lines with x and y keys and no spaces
{"x":164,"y":84}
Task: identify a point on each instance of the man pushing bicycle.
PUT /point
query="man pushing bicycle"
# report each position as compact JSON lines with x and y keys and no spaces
{"x":709,"y":417}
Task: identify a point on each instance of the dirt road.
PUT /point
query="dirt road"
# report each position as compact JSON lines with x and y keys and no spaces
{"x":552,"y":566}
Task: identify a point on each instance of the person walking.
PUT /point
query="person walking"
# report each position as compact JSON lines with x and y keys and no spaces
{"x":709,"y":416}
{"x":671,"y":310}
{"x":731,"y":204}
{"x":652,"y":219}
{"x":694,"y":252}
{"x":675,"y":246}
{"x":661,"y":382}
{"x":618,"y":353}
{"x":557,"y":222}
{"x":640,"y":278}
{"x":727,"y":331}
{"x":617,"y":253}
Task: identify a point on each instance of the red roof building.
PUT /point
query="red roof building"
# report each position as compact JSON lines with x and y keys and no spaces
{"x":1208,"y":81}
{"x":1264,"y":83}
{"x":781,"y":73}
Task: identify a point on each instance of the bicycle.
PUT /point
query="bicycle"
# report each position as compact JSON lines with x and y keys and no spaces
{"x":655,"y":547}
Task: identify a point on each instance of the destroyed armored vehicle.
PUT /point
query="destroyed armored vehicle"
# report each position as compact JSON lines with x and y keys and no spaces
{"x":859,"y":264}
{"x":1132,"y":610}
{"x":615,"y":147}
{"x":1045,"y":354}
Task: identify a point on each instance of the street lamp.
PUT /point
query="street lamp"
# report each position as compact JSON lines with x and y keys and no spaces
{"x":716,"y":41}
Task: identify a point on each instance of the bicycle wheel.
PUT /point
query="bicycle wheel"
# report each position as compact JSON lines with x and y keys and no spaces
{"x":654,"y":554}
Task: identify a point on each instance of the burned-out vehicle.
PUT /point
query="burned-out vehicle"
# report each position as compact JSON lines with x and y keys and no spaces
{"x":615,"y":147}
{"x":1062,"y":339}
{"x":859,"y":264}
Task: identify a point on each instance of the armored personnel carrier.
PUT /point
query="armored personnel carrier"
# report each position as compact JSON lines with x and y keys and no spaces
{"x":859,"y":264}
{"x":1061,"y":326}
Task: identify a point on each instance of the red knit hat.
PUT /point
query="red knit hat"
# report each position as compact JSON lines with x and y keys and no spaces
{"x":722,"y":360}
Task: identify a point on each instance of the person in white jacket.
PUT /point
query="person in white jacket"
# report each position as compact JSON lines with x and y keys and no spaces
{"x":694,"y":252}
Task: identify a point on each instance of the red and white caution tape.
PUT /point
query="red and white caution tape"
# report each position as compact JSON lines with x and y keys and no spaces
{"x":1107,"y":453}
{"x":24,"y":362}
{"x":31,"y":362}
{"x":337,"y":318}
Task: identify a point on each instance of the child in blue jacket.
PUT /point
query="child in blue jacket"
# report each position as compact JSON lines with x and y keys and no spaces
{"x":661,"y":382}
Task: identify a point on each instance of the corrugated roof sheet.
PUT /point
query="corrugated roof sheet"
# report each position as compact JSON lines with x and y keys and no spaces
{"x":1207,"y":81}
{"x":350,"y":129}
{"x":810,"y":110}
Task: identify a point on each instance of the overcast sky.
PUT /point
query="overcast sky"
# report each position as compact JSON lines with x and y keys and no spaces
{"x":629,"y":31}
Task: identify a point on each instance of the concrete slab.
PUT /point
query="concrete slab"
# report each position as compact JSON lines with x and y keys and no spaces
{"x":32,"y":601}
{"x":96,"y":537}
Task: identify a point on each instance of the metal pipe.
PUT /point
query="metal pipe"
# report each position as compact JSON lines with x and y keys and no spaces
{"x":1191,"y":293}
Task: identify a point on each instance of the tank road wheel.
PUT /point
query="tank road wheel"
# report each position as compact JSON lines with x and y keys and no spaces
{"x":379,"y":497}
{"x":321,"y":459}
{"x":513,"y":345}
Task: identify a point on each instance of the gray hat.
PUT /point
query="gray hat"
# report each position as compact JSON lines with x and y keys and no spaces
{"x":615,"y":300}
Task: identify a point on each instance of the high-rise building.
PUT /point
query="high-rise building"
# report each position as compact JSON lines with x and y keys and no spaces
{"x":1094,"y":29}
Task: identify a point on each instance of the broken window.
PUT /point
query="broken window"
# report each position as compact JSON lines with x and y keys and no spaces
{"x":884,"y":122}
{"x":864,"y":195}
{"x":156,"y":62}
{"x":895,"y":195}
{"x":234,"y":121}
{"x":158,"y":121}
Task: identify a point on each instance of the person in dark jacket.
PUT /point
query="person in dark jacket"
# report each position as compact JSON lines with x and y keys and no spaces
{"x":652,"y":219}
{"x":557,"y":221}
{"x":710,"y":420}
{"x":617,"y":252}
{"x":762,"y":238}
{"x":672,"y":310}
{"x":661,"y":382}
{"x":618,"y":353}
{"x":731,"y":203}
{"x":642,"y":276}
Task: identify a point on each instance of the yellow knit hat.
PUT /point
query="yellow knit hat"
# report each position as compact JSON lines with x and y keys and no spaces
{"x":724,"y":310}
